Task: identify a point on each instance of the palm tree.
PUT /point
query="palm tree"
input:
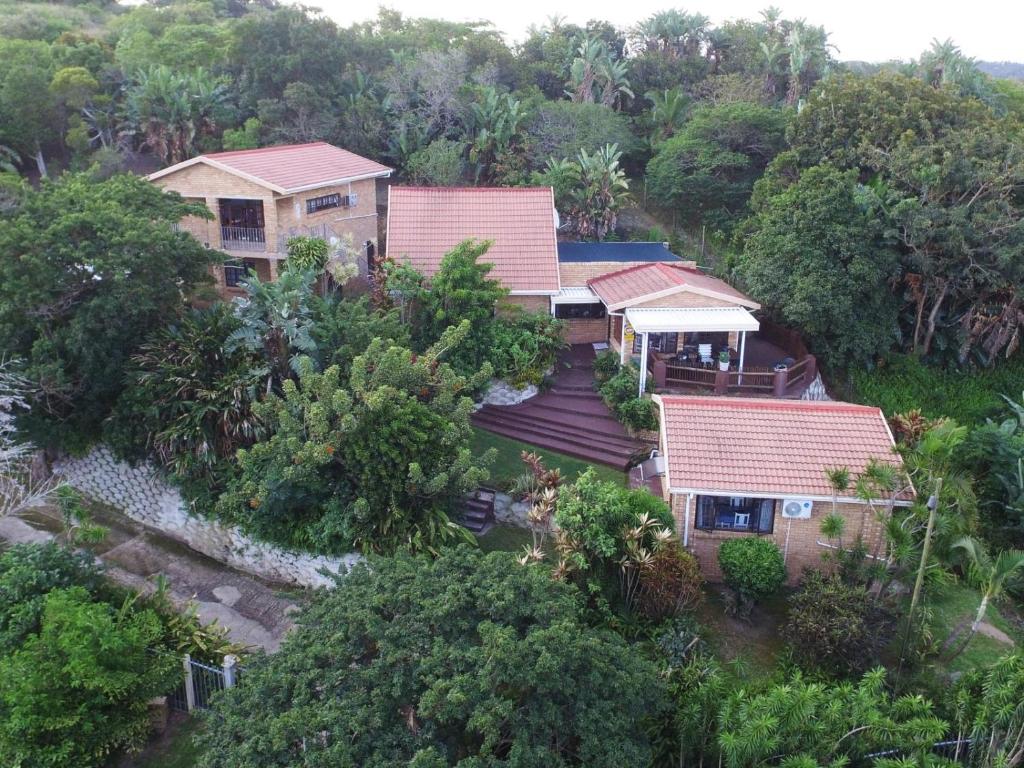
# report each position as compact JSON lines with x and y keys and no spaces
{"x":989,"y":575}
{"x":668,"y":111}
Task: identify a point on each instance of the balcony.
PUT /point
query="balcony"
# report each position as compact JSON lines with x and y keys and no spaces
{"x":243,"y":238}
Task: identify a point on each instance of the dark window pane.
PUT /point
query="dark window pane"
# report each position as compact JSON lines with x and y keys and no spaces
{"x":580,"y":311}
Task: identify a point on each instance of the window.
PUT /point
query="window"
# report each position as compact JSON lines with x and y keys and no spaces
{"x":593,"y":311}
{"x":659,"y":342}
{"x":336,"y":200}
{"x":731,"y":513}
{"x":236,"y":271}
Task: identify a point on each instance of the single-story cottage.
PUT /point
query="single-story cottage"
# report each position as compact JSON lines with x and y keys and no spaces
{"x":758,"y":467}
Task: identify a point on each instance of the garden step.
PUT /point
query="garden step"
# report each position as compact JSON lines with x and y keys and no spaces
{"x":571,"y":430}
{"x":569,"y":403}
{"x":578,"y":446}
{"x":547,"y":442}
{"x":597,"y":428}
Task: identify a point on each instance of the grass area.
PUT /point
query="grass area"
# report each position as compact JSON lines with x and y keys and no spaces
{"x":953,"y":608}
{"x":968,"y":395}
{"x":751,"y":648}
{"x":508,"y":466}
{"x":505,"y":538}
{"x":173,"y":749}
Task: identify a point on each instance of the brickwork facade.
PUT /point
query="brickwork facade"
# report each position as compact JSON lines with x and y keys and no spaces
{"x":586,"y":331}
{"x":800,"y":540}
{"x":530,"y":303}
{"x":283,"y":216}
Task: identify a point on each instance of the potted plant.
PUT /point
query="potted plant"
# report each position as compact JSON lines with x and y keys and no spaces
{"x":723,"y":360}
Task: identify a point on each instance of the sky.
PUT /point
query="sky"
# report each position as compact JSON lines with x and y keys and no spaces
{"x":863,"y":30}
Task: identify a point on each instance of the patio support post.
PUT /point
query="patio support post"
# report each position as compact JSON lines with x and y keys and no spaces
{"x":622,"y":341}
{"x":643,"y":365}
{"x":743,"y":348}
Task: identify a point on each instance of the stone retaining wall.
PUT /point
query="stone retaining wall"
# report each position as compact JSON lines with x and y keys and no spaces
{"x":145,"y":497}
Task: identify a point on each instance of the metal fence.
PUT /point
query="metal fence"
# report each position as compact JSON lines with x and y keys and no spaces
{"x":200,"y":681}
{"x":955,"y":749}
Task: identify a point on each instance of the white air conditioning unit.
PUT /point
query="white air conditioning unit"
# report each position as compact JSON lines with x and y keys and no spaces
{"x":797,"y":509}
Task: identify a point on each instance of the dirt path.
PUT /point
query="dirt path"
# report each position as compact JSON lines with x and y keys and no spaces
{"x":254,"y":613}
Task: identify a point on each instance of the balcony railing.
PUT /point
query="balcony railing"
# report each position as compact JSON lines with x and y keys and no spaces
{"x":243,"y":238}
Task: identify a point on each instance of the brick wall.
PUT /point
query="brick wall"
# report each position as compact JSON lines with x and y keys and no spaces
{"x":586,"y":331}
{"x":529,"y":303}
{"x":798,"y":539}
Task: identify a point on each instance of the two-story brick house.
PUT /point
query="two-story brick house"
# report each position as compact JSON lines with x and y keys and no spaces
{"x":262,"y":197}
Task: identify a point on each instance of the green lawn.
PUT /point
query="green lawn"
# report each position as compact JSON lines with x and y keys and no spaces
{"x":508,"y":466}
{"x":505,"y":538}
{"x":954,"y":606}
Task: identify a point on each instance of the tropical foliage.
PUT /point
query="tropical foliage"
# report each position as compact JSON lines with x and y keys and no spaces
{"x":428,"y":669}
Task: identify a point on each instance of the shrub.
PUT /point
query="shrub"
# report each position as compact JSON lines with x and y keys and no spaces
{"x":464,"y":659}
{"x":671,"y":584}
{"x":524,"y":346}
{"x":79,"y":689}
{"x":638,"y":413}
{"x":753,"y":567}
{"x":28,"y":573}
{"x":620,"y":395}
{"x":606,"y":365}
{"x":836,"y":627}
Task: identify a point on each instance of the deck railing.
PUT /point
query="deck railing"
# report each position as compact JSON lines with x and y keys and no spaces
{"x":243,"y":238}
{"x":752,"y":380}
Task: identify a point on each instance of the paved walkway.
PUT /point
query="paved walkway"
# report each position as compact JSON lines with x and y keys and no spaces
{"x":253,"y":612}
{"x":569,"y":417}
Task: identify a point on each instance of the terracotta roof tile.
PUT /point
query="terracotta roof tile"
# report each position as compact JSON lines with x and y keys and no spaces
{"x":774,"y":447}
{"x":424,"y":223}
{"x":299,"y":166}
{"x":633,"y":284}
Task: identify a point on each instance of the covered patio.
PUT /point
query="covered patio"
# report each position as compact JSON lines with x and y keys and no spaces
{"x":681,"y":349}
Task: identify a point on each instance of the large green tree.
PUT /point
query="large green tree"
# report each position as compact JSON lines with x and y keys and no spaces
{"x":464,"y":660}
{"x":816,"y":257}
{"x":708,"y":169}
{"x":376,"y":462}
{"x":86,"y":268}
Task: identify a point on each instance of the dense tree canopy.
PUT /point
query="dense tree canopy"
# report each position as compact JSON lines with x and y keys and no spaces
{"x":816,"y":253}
{"x":84,"y":266}
{"x":466,"y":660}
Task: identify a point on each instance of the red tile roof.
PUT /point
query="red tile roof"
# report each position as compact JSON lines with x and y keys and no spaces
{"x":291,"y":167}
{"x":424,"y":223}
{"x":632,"y":285}
{"x":774,"y":447}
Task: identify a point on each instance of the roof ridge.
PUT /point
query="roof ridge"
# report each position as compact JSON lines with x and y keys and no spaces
{"x":624,"y":270}
{"x":770,"y":403}
{"x":469,"y":190}
{"x":272,"y":148}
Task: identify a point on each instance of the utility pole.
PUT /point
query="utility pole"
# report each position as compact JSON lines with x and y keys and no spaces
{"x":926,"y":550}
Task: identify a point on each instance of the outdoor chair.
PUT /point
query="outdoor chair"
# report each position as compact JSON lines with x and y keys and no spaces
{"x":704,"y":350}
{"x":653,"y":466}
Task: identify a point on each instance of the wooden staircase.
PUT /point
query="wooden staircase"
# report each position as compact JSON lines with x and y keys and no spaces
{"x":569,"y":418}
